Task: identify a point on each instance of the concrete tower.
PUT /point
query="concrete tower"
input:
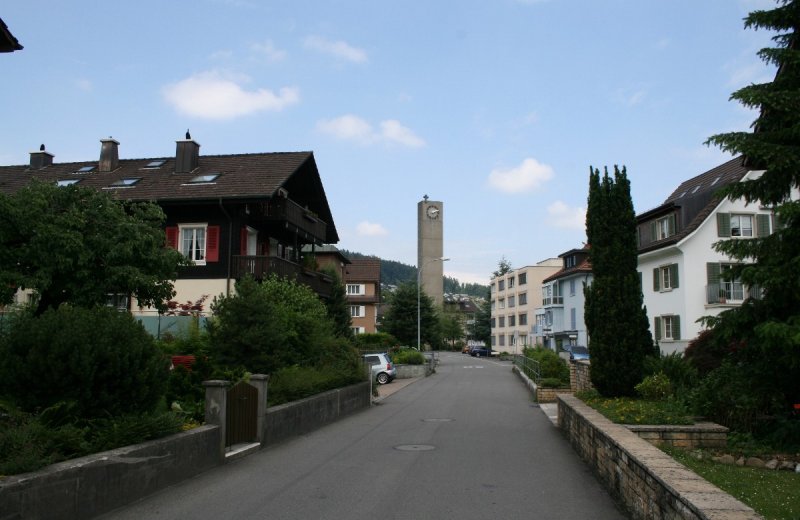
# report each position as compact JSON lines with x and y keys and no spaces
{"x":430,"y":225}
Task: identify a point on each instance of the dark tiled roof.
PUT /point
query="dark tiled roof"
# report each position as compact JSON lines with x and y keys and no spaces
{"x":583,"y":267}
{"x":694,"y":200}
{"x":7,"y":41}
{"x":363,"y":270}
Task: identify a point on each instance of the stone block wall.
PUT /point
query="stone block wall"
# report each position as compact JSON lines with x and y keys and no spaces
{"x":699,"y":435}
{"x":580,"y":375}
{"x":648,"y":482}
{"x":548,"y":395}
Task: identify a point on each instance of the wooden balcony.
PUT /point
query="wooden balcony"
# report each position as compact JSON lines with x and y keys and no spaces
{"x":299,"y":217}
{"x":261,"y":267}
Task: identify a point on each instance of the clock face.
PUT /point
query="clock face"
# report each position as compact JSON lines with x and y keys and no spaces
{"x":433,"y":212}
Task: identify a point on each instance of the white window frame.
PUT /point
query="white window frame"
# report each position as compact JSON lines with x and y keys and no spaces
{"x":358,"y":330}
{"x":665,"y":273}
{"x":662,"y":228}
{"x":741,"y":231}
{"x":358,"y":311}
{"x":667,"y":328}
{"x":187,"y":242}
{"x":356,"y":289}
{"x":732,"y":289}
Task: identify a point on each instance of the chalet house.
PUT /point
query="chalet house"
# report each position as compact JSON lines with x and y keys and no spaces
{"x":559,"y":321}
{"x":682,"y":275}
{"x":362,"y":280}
{"x":231,"y":215}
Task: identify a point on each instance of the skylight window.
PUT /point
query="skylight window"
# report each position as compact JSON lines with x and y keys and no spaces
{"x":716,"y":180}
{"x":155,"y":164}
{"x":67,"y":182}
{"x":126,"y":182}
{"x":204,"y":179}
{"x":696,"y":188}
{"x":86,"y":169}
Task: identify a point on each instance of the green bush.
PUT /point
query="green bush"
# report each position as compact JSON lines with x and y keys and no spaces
{"x":625,"y":410}
{"x":654,"y":388}
{"x":408,"y":357}
{"x":551,"y":382}
{"x":115,"y":432}
{"x":100,"y":359}
{"x":297,"y":382}
{"x":550,"y":364}
{"x":374,"y":342}
{"x":677,"y":368}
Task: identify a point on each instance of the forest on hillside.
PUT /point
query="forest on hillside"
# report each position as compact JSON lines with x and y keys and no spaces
{"x":394,"y":273}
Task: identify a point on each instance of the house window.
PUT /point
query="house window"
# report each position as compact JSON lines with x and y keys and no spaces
{"x":492,"y":325}
{"x":501,"y":303}
{"x":501,"y":285}
{"x":357,"y":311}
{"x":664,"y":227}
{"x":512,"y":321}
{"x":358,"y":330}
{"x":741,"y":225}
{"x":355,"y":289}
{"x":523,"y":299}
{"x":665,"y":278}
{"x":668,"y":328}
{"x":731,"y":288}
{"x":193,"y":242}
{"x":523,"y":278}
{"x":118,"y":301}
{"x":573,"y":323}
{"x":511,"y":301}
{"x":572,"y":287}
{"x":511,"y":282}
{"x":569,"y":261}
{"x":523,"y":318}
{"x":501,"y":322}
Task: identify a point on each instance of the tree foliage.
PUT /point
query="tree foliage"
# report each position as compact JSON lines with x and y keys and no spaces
{"x":503,"y":267}
{"x":77,"y":245}
{"x":400,"y":320}
{"x":338,"y":308}
{"x":482,"y":330}
{"x":616,"y":320}
{"x":99,"y":361}
{"x":765,"y":333}
{"x":268,"y":326}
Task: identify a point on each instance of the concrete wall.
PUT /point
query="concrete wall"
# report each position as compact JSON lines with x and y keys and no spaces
{"x":89,"y":486}
{"x":299,"y":417}
{"x":410,"y":371}
{"x":648,"y":482}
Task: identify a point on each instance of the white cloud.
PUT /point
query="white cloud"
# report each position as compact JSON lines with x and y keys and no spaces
{"x":526,"y":177}
{"x":350,"y":127}
{"x":269,"y":50}
{"x":370,"y":229}
{"x":339,"y":49}
{"x":210,"y":95}
{"x":562,"y":216}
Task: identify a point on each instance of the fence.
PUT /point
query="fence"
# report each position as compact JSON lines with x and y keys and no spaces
{"x":529,"y":367}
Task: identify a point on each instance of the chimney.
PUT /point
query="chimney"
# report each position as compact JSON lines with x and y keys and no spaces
{"x":41,"y":159}
{"x":109,"y":155}
{"x":187,"y":154}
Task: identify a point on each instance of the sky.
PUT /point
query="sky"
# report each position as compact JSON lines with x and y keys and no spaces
{"x":497,"y":108}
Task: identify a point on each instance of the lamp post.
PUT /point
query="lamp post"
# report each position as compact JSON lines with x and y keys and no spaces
{"x":419,"y":283}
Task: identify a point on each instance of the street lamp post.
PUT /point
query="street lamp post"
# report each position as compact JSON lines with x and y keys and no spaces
{"x":419,"y":282}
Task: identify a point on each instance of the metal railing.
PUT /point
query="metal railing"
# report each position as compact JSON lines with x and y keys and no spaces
{"x":553,"y":300}
{"x":529,"y":367}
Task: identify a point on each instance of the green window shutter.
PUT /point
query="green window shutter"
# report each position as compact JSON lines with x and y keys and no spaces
{"x":776,"y":222}
{"x":762,"y":225}
{"x":673,"y":275}
{"x":676,"y":327}
{"x":653,"y":231}
{"x":658,"y":328}
{"x":723,"y":224}
{"x":671,"y":225}
{"x":712,"y":273}
{"x":656,"y":280}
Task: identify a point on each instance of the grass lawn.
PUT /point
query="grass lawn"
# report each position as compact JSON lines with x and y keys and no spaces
{"x":774,"y":494}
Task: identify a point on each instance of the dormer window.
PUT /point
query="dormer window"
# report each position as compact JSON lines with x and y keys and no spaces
{"x":126,"y":182}
{"x":86,"y":169}
{"x":204,"y":179}
{"x":67,"y":182}
{"x":663,"y":227}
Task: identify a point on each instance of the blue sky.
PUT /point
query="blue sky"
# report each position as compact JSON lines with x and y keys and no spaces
{"x":497,"y":108}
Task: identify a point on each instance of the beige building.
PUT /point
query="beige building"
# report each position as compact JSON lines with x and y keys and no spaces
{"x":515,"y":296}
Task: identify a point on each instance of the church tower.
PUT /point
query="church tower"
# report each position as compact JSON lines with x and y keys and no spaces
{"x":430,"y":249}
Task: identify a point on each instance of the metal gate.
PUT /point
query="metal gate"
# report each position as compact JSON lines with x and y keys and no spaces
{"x":242,"y":414}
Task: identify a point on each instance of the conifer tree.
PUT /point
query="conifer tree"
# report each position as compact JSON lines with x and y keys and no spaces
{"x":616,"y":321}
{"x":766,"y":331}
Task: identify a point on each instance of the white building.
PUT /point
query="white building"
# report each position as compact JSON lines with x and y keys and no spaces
{"x":680,"y":270}
{"x":559,"y":318}
{"x":515,"y":295}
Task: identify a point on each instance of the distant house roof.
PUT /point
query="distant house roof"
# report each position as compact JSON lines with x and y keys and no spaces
{"x":694,"y":200}
{"x":241,"y":177}
{"x":582,"y":267}
{"x":363,"y":270}
{"x":7,"y":41}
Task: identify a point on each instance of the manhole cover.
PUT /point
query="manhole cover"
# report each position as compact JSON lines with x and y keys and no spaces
{"x":437,"y":420}
{"x":415,"y":447}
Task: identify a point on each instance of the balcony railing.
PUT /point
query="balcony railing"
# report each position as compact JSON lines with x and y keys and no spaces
{"x":261,"y":267}
{"x":553,"y":300}
{"x":293,"y":213}
{"x":721,"y":293}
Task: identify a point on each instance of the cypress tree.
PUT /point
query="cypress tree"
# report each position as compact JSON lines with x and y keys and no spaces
{"x":616,"y":320}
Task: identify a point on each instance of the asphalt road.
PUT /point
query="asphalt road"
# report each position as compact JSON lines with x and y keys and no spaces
{"x":465,"y":443}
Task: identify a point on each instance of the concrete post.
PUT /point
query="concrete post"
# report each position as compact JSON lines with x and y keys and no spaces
{"x":260,"y":381}
{"x":216,"y":407}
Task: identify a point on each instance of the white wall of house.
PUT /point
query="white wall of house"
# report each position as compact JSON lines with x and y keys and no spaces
{"x":190,"y":290}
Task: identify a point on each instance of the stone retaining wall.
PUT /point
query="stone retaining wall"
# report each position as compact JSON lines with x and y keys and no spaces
{"x":92,"y":485}
{"x":698,"y":435}
{"x":548,"y":395}
{"x":648,"y":482}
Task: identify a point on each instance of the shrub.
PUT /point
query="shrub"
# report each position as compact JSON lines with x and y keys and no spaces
{"x":408,"y":357}
{"x":550,"y":364}
{"x":101,"y":360}
{"x":551,"y":382}
{"x":115,"y":432}
{"x":297,"y":382}
{"x":374,"y":341}
{"x":676,"y":367}
{"x":654,"y":388}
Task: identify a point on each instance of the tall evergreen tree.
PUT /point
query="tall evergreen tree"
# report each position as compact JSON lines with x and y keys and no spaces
{"x":767,"y":331}
{"x":616,"y":320}
{"x":400,"y":320}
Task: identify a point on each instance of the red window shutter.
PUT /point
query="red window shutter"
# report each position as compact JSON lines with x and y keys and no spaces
{"x":243,"y":240}
{"x":212,"y":244}
{"x":172,"y":237}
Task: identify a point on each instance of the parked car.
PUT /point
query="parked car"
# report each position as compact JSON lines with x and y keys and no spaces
{"x":383,"y":370}
{"x":480,"y":351}
{"x":577,"y":352}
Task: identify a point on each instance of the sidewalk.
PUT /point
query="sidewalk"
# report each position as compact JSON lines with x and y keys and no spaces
{"x":386,"y":390}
